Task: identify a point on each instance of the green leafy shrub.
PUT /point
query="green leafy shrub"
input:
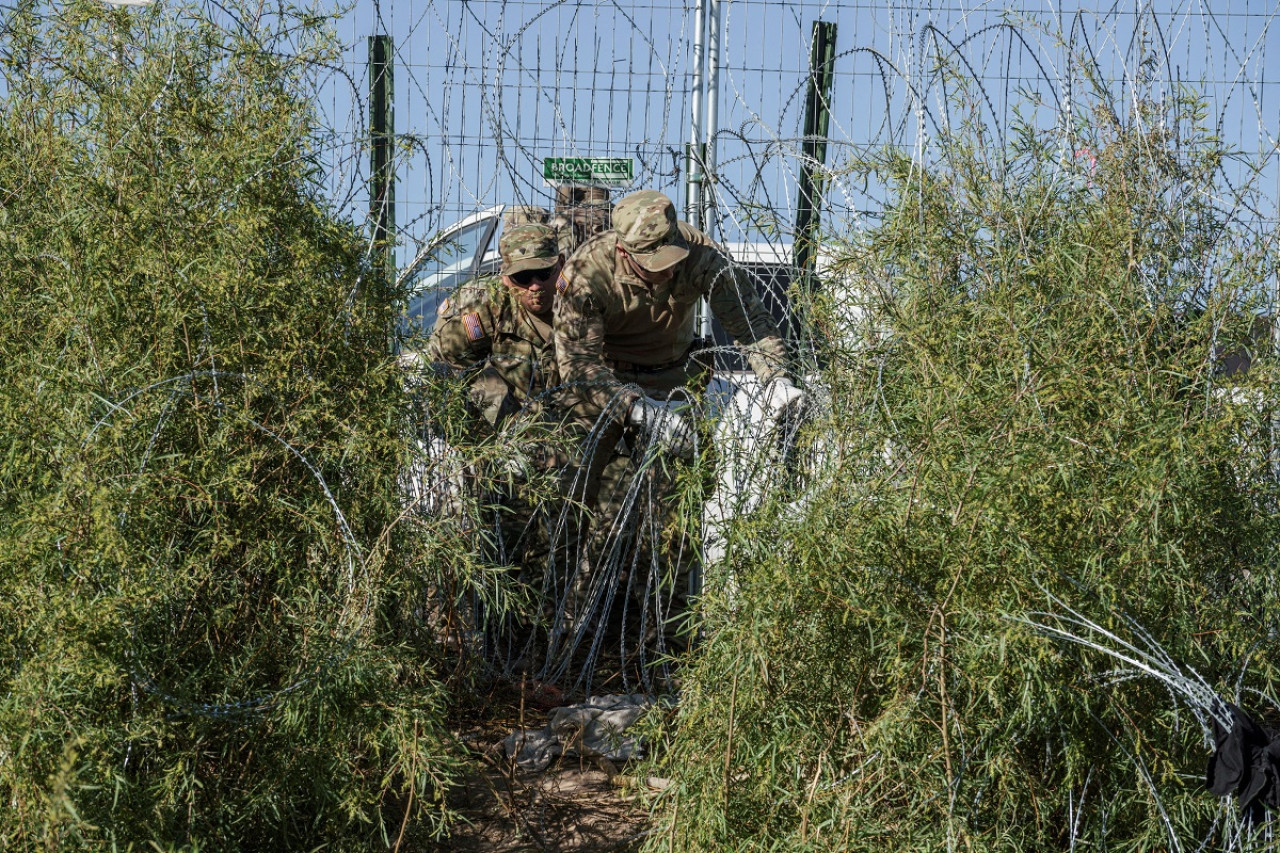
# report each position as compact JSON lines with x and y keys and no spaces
{"x":205,"y":589}
{"x":1033,"y":420}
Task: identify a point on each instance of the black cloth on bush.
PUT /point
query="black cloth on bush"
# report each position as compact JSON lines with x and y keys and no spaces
{"x":1245,"y":762}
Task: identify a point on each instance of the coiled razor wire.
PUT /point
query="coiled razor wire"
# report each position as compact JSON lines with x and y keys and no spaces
{"x":1139,"y":655}
{"x":618,"y":576}
{"x":492,"y":87}
{"x":177,"y":388}
{"x":607,"y":601}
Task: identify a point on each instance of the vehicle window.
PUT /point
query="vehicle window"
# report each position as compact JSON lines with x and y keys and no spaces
{"x":449,"y":264}
{"x":491,"y":265}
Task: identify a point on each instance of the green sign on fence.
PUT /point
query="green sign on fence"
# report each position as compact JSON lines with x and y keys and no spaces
{"x":604,"y":171}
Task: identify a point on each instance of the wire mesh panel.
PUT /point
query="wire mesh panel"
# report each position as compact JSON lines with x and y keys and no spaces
{"x":486,"y":90}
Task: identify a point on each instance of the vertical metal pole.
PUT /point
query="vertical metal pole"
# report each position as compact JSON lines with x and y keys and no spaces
{"x":696,"y":151}
{"x":698,"y":176}
{"x":817,"y":122}
{"x":382,"y":187}
{"x":711,"y":109}
{"x":715,"y":17}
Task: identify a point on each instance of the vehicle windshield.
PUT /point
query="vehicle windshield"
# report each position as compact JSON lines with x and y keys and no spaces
{"x":447,"y":264}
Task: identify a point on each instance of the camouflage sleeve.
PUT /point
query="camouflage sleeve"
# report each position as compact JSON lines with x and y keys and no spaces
{"x":462,"y":338}
{"x":579,"y":336}
{"x":736,"y":304}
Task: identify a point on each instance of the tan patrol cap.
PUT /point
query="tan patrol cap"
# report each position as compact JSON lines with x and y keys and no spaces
{"x":528,"y":247}
{"x":645,"y":222}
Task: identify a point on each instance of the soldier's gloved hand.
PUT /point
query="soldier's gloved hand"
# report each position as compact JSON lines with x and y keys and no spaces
{"x":781,"y":395}
{"x":663,"y":423}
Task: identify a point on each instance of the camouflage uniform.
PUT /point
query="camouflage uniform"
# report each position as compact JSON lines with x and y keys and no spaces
{"x":611,"y":328}
{"x":619,"y":338}
{"x":581,"y":213}
{"x":506,"y":354}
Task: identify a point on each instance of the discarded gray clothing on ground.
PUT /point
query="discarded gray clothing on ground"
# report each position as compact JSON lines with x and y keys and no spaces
{"x":593,"y":728}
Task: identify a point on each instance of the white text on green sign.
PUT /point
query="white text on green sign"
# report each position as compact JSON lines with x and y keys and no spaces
{"x":591,"y":170}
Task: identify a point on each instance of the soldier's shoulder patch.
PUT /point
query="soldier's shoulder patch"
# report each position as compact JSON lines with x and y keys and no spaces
{"x":562,"y":284}
{"x":444,"y":307}
{"x":475,"y":329}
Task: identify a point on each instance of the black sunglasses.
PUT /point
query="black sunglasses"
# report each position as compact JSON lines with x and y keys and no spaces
{"x":524,"y":278}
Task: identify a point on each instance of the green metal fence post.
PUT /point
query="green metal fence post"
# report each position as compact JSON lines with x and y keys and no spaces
{"x":382,"y":187}
{"x":817,"y":121}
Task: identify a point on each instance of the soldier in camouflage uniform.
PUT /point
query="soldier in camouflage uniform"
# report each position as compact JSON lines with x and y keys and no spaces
{"x":497,"y":334}
{"x":497,"y":331}
{"x":625,"y":341}
{"x":581,"y":213}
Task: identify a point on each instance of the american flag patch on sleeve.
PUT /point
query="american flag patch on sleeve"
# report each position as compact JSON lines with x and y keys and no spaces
{"x":475,"y":330}
{"x":562,"y":284}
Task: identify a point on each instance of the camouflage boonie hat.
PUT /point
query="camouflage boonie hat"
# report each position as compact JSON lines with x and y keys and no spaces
{"x":528,"y":247}
{"x":646,"y":226}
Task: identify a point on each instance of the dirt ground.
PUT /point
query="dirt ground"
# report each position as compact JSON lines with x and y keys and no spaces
{"x":587,"y":805}
{"x":566,"y":808}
